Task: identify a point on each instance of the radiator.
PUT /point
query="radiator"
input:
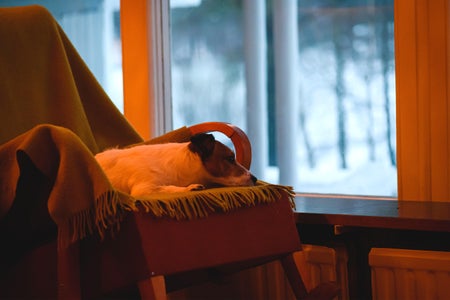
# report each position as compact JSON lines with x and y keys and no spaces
{"x":326,"y":264}
{"x":409,"y":274}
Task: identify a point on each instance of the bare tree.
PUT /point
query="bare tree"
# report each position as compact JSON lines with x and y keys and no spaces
{"x":338,"y":42}
{"x":311,"y":159}
{"x":386,"y":56}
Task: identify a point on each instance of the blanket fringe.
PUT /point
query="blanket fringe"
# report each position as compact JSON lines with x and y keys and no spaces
{"x":111,"y":206}
{"x":106,"y":215}
{"x":199,"y":204}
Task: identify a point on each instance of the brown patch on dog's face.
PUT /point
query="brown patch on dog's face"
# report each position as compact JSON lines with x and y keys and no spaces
{"x":203,"y":144}
{"x":220,"y":161}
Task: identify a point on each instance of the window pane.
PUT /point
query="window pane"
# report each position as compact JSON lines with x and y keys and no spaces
{"x":207,"y":62}
{"x":346,"y":87}
{"x":347,"y":97}
{"x":93,"y":27}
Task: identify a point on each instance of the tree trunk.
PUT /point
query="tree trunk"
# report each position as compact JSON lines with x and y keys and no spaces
{"x":340,"y":93}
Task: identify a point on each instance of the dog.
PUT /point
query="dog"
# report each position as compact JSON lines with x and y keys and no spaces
{"x":201,"y":163}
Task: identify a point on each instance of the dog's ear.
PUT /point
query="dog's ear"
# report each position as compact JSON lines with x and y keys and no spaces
{"x":203,"y":144}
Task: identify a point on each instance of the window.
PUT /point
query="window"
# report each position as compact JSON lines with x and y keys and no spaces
{"x":331,"y":130}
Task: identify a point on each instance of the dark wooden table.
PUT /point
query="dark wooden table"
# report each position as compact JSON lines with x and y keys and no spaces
{"x":360,"y":224}
{"x":360,"y":212}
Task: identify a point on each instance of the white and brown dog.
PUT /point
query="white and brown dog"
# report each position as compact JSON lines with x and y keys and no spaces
{"x":174,"y":167}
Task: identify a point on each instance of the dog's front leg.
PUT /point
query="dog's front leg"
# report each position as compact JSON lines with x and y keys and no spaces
{"x":144,"y":190}
{"x":175,"y":189}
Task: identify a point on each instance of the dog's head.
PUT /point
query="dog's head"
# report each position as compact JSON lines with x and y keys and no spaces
{"x":219,"y":161}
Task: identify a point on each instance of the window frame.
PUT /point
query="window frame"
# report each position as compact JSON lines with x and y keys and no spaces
{"x":422,"y":54}
{"x":145,"y":37}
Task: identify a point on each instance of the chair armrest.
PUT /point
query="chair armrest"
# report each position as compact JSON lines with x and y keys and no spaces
{"x":238,"y":137}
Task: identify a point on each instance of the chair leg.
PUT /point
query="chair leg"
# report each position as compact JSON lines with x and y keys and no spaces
{"x":153,"y":288}
{"x":325,"y":291}
{"x":294,"y":277}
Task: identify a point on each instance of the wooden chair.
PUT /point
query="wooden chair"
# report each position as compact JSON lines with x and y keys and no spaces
{"x":157,"y":254}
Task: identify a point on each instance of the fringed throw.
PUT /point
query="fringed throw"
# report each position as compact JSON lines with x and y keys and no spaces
{"x":104,"y":217}
{"x":199,"y":204}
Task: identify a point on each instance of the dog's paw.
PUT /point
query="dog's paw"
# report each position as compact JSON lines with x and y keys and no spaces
{"x":195,"y":187}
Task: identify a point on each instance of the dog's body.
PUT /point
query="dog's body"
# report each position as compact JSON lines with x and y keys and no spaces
{"x":174,"y":167}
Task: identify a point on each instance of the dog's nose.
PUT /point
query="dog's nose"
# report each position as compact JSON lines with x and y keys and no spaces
{"x":254,"y":179}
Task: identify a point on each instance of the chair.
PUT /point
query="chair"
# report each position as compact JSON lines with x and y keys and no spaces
{"x":67,"y":233}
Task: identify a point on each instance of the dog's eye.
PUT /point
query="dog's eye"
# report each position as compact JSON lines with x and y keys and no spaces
{"x":230,"y":159}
